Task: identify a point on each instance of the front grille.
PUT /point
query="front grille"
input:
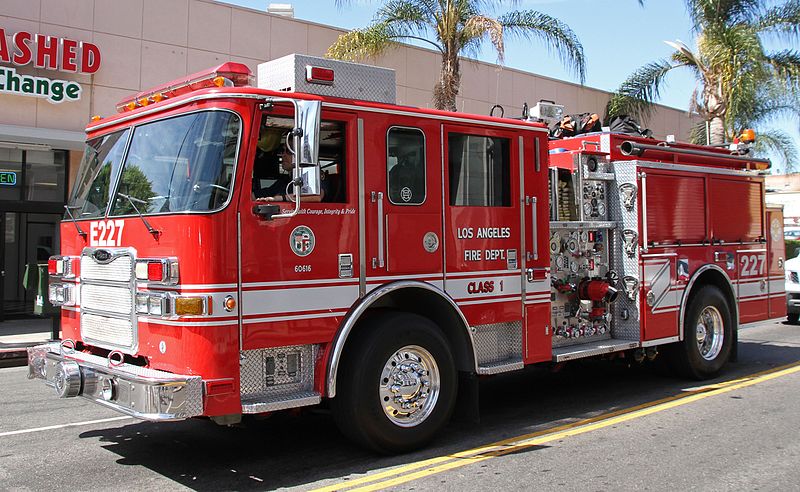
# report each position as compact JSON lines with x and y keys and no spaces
{"x":106,"y":298}
{"x":119,"y":269}
{"x":108,"y":317}
{"x":794,"y":277}
{"x":117,"y":331}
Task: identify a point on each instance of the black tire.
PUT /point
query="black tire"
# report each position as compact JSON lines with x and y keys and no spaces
{"x":362,"y":385}
{"x":793,"y":318}
{"x":700,"y":355}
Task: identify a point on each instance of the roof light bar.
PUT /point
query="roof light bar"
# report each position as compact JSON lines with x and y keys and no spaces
{"x":226,"y":75}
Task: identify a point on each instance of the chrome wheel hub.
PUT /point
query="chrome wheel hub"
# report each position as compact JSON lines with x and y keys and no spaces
{"x":710,"y":333}
{"x":409,"y":386}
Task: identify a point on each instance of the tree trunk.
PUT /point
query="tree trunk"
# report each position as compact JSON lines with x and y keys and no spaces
{"x":446,"y":90}
{"x":717,"y":131}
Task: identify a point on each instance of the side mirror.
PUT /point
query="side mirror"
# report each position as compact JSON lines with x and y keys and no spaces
{"x":307,"y":143}
{"x":311,"y":182}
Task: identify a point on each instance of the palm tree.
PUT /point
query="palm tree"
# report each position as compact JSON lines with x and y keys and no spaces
{"x":455,"y":27}
{"x":739,"y":82}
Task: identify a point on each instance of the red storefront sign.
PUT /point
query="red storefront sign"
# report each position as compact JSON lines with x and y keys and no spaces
{"x":50,"y":52}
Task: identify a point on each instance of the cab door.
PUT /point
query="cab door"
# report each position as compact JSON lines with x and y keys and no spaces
{"x":402,"y":200}
{"x":536,"y":257}
{"x":299,"y":274}
{"x":484,"y":232}
{"x":776,"y":255}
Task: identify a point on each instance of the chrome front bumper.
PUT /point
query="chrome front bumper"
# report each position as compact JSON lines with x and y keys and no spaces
{"x":136,"y":391}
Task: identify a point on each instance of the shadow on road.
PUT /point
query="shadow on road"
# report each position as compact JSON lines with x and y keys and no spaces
{"x":298,"y":451}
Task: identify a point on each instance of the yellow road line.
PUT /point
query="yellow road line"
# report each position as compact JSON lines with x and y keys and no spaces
{"x":440,"y":464}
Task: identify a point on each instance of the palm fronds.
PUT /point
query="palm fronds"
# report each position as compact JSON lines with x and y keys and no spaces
{"x":782,"y":20}
{"x":780,"y":145}
{"x":558,"y":38}
{"x":637,"y":95}
{"x":456,"y":27}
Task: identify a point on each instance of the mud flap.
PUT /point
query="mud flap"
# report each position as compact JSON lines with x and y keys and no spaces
{"x":735,"y":346}
{"x":467,"y":409}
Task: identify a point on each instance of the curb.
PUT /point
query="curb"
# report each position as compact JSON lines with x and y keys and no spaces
{"x":13,"y":357}
{"x":15,"y":354}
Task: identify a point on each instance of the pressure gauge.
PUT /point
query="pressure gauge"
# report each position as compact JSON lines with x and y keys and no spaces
{"x":572,"y":246}
{"x":584,"y":236}
{"x":601,"y":208}
{"x":555,"y":244}
{"x":561,"y":262}
{"x":587,"y":208}
{"x":573,"y":266}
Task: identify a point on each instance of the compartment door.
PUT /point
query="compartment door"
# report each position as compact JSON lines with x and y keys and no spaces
{"x":752,"y":285}
{"x":660,"y":300}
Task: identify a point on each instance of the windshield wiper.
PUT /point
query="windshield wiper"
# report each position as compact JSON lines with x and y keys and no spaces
{"x":81,"y":232}
{"x":152,"y":230}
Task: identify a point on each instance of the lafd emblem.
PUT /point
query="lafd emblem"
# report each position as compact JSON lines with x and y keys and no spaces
{"x":302,"y":240}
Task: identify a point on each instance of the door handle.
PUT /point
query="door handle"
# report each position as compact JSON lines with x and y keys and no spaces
{"x":377,"y":197}
{"x":533,"y":274}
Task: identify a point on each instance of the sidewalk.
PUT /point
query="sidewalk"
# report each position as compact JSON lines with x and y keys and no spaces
{"x":18,"y":334}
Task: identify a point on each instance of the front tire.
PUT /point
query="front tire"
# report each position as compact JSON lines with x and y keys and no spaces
{"x":793,"y":318}
{"x":397,"y":383}
{"x":707,"y":335}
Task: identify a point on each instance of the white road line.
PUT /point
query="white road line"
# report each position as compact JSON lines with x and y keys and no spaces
{"x":52,"y":427}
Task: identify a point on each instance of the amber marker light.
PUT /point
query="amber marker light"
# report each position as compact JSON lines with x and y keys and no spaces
{"x":229,"y":303}
{"x":131,"y":106}
{"x":190,"y":306}
{"x":96,"y":117}
{"x":218,"y":81}
{"x":157,"y":98}
{"x":748,"y":136}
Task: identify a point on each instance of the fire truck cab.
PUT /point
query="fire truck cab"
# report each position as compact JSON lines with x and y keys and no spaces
{"x":231,"y":249}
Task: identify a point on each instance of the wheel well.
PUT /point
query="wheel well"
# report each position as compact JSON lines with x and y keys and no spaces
{"x":429,"y":305}
{"x":714,"y":277}
{"x":411,"y":297}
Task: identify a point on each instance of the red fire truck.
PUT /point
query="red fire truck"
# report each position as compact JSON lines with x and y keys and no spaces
{"x":231,"y":249}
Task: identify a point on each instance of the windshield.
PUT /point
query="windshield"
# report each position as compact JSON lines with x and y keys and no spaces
{"x":181,"y":164}
{"x":97,"y":174}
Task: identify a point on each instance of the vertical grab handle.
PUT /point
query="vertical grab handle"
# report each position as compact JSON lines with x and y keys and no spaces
{"x":644,"y":212}
{"x":534,"y":255}
{"x":379,"y":262}
{"x":535,"y":228}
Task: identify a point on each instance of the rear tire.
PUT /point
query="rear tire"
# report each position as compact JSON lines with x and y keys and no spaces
{"x":707,"y":336}
{"x":793,"y":318}
{"x":397,"y":384}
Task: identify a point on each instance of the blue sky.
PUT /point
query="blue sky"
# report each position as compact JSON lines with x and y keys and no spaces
{"x":618,"y":36}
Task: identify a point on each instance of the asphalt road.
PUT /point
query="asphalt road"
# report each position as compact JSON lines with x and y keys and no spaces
{"x":590,"y":426}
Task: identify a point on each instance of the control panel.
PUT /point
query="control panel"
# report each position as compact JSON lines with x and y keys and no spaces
{"x":583,"y":285}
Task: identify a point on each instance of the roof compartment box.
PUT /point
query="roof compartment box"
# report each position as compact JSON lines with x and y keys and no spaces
{"x":325,"y":77}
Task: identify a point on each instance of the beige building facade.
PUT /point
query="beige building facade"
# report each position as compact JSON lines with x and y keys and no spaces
{"x":113,"y":48}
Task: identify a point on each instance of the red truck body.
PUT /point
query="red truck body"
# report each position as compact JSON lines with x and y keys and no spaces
{"x":491,"y":256}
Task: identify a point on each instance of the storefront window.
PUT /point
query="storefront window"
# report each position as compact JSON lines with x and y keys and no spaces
{"x":44,"y":175}
{"x":11,"y":172}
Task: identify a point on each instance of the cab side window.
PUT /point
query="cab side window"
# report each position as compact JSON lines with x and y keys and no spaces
{"x":273,"y":166}
{"x":479,"y":169}
{"x":332,"y":154}
{"x":405,"y":166}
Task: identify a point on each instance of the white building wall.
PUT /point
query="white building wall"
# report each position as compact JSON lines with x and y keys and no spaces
{"x":149,"y":42}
